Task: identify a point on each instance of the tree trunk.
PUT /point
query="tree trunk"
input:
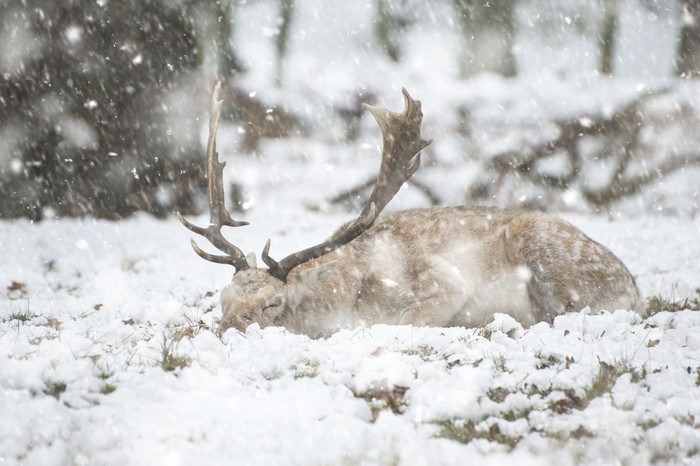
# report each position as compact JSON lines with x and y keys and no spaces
{"x":488,"y":29}
{"x":227,"y":64}
{"x":606,"y":40}
{"x":688,"y":55}
{"x":386,"y":30}
{"x":286,"y":11}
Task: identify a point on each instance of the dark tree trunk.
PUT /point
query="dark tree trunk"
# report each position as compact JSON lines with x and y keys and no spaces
{"x":387,"y":29}
{"x":688,"y":55}
{"x":228,"y":62}
{"x":286,"y":14}
{"x":606,"y":40}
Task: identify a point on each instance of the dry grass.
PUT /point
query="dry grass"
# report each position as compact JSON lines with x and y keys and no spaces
{"x":671,"y":303}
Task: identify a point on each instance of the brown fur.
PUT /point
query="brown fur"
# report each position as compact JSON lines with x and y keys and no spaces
{"x":439,"y":267}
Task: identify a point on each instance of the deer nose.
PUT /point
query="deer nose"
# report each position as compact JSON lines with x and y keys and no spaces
{"x":227,"y":323}
{"x":241,"y":323}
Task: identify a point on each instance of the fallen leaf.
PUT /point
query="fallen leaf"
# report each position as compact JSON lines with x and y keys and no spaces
{"x":569,"y":361}
{"x":17,"y":286}
{"x":16,"y":290}
{"x":52,"y":322}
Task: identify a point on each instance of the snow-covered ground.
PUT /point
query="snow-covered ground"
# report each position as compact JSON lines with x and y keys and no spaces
{"x":107,"y":357}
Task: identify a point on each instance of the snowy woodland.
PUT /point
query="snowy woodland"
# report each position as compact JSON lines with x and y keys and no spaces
{"x":589,"y":110}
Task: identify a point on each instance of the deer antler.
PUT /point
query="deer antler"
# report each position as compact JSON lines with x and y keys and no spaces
{"x":218,"y":215}
{"x":402,"y":144}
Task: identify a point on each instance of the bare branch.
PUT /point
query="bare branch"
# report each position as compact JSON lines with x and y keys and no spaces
{"x":357,"y":191}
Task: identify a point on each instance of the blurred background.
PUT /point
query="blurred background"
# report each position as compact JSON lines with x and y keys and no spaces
{"x":562,"y":105}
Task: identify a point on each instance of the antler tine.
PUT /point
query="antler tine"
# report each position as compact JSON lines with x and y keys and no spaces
{"x":348,"y":233}
{"x":401,"y":146}
{"x":218,"y":215}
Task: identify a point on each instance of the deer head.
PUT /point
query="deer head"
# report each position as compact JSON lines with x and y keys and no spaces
{"x":266,"y":295}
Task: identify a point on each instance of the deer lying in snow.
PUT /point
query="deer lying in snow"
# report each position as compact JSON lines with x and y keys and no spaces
{"x":427,"y":267}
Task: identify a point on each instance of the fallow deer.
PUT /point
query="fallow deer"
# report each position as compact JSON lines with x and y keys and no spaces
{"x":426,"y":267}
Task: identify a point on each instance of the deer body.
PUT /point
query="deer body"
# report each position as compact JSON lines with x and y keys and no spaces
{"x":427,"y":267}
{"x":440,"y":267}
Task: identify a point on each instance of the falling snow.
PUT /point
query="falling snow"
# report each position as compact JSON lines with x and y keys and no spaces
{"x":108,"y":353}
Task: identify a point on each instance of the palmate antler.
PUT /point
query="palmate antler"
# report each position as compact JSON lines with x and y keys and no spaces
{"x":402,"y":144}
{"x":218,"y":215}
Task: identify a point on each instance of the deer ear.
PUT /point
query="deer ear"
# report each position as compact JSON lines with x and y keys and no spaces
{"x":250,"y":258}
{"x":307,"y":282}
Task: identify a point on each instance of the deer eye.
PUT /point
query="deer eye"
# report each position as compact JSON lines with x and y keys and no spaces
{"x":274,"y":303}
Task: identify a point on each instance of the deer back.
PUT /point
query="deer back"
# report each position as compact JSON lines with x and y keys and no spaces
{"x":459,"y":266}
